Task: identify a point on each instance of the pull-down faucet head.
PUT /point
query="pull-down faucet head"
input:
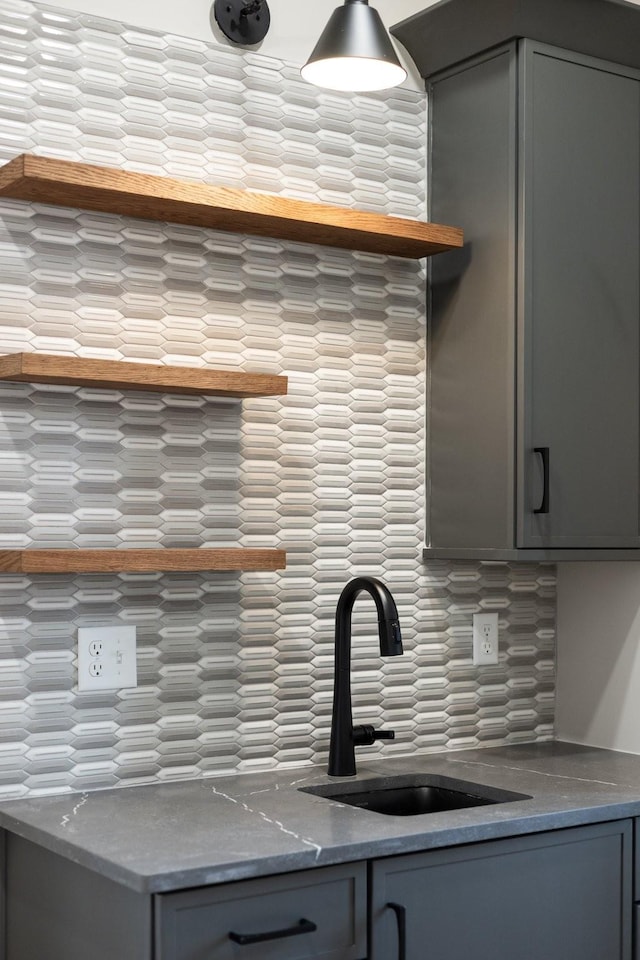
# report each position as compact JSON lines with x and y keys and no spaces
{"x":344,"y":738}
{"x":390,"y":637}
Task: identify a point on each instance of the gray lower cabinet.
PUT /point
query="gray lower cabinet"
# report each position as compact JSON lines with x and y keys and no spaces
{"x":534,"y":329}
{"x":58,"y":910}
{"x":315,"y":914}
{"x":636,"y":893}
{"x":564,"y":895}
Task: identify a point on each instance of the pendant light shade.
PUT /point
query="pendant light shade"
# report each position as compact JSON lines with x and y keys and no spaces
{"x":354,"y":52}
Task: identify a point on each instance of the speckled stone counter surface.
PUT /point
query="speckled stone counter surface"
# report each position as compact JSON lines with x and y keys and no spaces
{"x":172,"y":836}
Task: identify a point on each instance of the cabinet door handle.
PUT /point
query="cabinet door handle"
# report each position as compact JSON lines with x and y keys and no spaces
{"x":401,"y":918}
{"x":245,"y":939}
{"x":544,"y":453}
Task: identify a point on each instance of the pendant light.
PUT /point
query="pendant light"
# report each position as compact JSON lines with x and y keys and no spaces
{"x":354,"y":52}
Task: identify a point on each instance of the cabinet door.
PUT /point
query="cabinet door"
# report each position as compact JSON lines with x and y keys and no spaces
{"x":564,"y":895}
{"x":471,"y":384}
{"x":578,"y":301}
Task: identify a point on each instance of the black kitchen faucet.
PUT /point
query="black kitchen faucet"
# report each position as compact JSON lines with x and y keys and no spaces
{"x":344,"y":736}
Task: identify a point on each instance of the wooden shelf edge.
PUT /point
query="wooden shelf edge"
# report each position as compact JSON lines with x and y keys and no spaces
{"x":199,"y":559}
{"x":151,"y":197}
{"x":151,"y":377}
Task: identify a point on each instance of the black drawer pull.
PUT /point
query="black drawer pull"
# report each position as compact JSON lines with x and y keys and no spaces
{"x":244,"y":939}
{"x":544,"y":453}
{"x":401,"y":919}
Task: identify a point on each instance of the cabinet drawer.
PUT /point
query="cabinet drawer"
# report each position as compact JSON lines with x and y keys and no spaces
{"x":196,"y":924}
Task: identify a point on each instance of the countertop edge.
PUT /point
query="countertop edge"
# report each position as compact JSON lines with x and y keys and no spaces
{"x":233,"y":871}
{"x":379,"y":849}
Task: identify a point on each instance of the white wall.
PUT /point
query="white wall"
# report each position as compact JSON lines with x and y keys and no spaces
{"x":598,"y":687}
{"x":295,"y":24}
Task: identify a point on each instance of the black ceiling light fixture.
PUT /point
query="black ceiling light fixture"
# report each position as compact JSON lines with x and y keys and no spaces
{"x":243,"y":21}
{"x":354,"y":52}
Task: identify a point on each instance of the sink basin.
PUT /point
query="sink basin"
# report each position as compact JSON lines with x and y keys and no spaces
{"x":411,"y":795}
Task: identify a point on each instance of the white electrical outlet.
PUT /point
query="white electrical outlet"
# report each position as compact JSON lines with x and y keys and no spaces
{"x":485,"y":638}
{"x":107,"y":658}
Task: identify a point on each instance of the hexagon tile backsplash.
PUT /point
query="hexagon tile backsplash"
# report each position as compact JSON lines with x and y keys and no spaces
{"x":235,"y":671}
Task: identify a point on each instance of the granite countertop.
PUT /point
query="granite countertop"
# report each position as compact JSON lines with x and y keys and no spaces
{"x":165,"y":837}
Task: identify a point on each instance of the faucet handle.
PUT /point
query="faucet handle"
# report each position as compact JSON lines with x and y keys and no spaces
{"x":365,"y":735}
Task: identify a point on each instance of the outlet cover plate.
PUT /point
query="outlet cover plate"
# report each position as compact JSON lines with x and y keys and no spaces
{"x":107,"y":658}
{"x":485,"y":638}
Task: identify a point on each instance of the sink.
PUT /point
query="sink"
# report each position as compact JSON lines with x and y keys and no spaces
{"x":411,"y":795}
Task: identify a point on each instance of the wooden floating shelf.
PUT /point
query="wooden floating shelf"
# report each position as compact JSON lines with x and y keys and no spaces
{"x":122,"y":375}
{"x":88,"y":187}
{"x":140,"y":561}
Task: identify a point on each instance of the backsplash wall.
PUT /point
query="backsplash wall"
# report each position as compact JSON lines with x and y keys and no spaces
{"x":235,"y":670}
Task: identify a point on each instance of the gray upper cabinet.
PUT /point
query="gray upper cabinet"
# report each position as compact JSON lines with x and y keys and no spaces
{"x":579,"y":303}
{"x":534,"y":328}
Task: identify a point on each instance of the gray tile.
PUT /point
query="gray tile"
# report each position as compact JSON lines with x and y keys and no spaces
{"x":235,"y":671}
